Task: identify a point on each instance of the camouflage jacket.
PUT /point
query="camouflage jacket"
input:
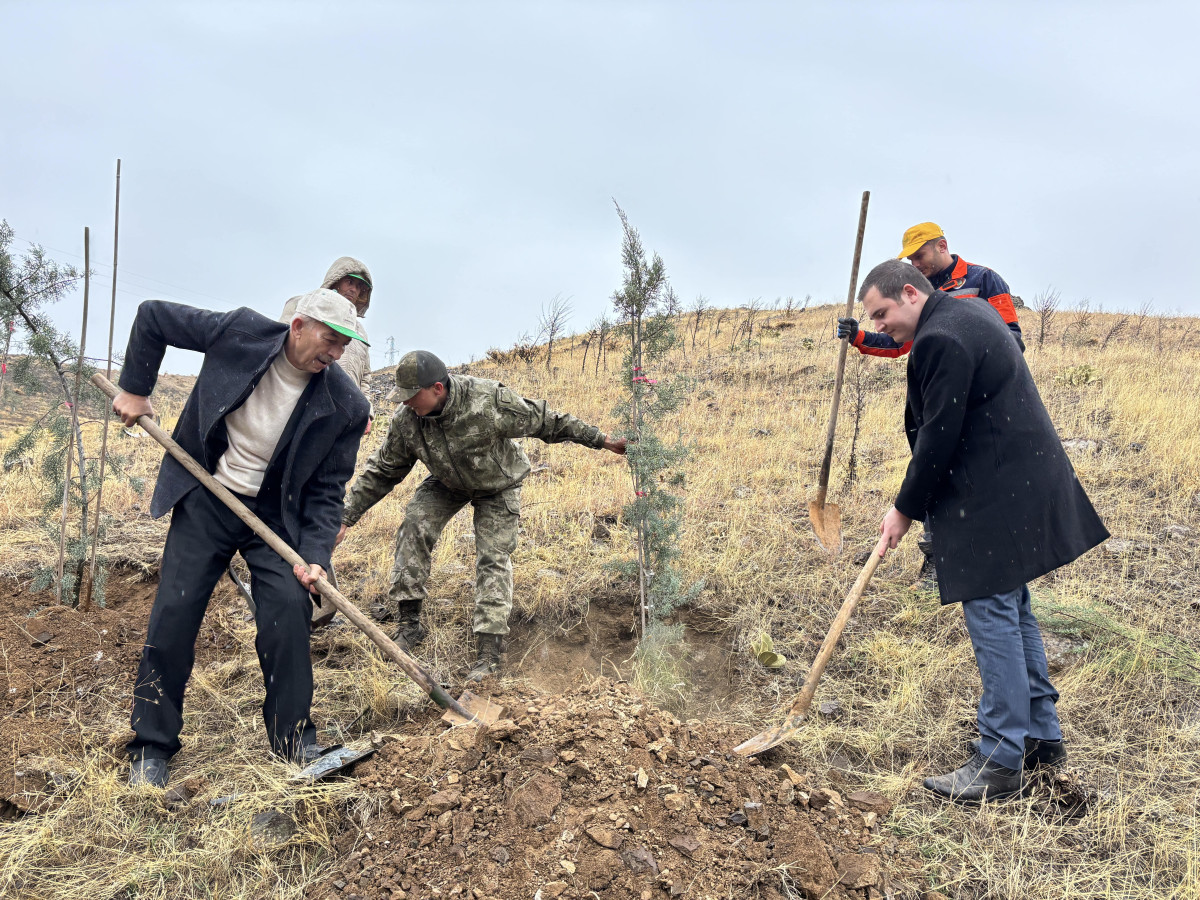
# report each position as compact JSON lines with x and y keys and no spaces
{"x":468,"y":446}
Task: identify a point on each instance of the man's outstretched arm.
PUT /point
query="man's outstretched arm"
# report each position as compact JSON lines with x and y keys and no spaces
{"x":519,"y":417}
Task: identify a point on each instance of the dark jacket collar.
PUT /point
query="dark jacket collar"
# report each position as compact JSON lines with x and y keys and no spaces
{"x":931,"y":304}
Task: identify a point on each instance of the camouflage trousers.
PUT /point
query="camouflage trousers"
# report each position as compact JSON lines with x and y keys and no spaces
{"x":496,"y":519}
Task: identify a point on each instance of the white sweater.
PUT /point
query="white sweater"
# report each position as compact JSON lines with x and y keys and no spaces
{"x":254,"y":428}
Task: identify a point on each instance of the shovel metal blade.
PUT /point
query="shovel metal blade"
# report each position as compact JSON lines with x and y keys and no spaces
{"x":826,"y":521}
{"x":772,"y":737}
{"x":332,"y":762}
{"x":483,"y":711}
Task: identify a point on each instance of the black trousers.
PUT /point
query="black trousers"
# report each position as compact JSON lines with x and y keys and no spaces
{"x":202,"y":539}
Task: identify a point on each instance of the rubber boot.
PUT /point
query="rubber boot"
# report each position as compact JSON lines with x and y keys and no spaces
{"x":488,"y":661}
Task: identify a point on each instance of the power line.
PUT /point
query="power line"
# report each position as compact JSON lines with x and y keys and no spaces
{"x":136,"y":276}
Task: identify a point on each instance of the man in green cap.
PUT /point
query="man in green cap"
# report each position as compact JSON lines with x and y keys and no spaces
{"x":351,"y":278}
{"x":274,"y":420}
{"x":462,"y":428}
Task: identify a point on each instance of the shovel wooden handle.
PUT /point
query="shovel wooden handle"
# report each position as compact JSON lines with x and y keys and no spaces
{"x":823,"y":480}
{"x":410,"y":666}
{"x":804,"y":699}
{"x":777,"y":734}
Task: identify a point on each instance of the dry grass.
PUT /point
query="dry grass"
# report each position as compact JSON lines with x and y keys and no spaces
{"x":903,"y":675}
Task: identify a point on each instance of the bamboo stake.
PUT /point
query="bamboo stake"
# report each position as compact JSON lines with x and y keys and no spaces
{"x":62,"y":532}
{"x":112,"y":317}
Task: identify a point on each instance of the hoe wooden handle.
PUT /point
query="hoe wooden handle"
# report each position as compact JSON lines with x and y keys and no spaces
{"x":414,"y":671}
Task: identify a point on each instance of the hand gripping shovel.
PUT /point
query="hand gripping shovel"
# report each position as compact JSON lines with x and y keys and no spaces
{"x":773,"y":737}
{"x":827,"y":518}
{"x":466,"y":708}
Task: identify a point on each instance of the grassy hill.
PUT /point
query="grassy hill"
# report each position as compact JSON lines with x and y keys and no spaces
{"x":1122,"y":624}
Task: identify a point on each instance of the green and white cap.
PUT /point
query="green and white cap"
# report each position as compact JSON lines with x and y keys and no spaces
{"x":332,"y":309}
{"x":418,"y":369}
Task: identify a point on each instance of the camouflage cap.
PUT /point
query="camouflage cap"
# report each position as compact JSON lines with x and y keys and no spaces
{"x":418,"y":369}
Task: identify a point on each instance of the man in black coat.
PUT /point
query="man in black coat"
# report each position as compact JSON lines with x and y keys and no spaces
{"x":278,"y":423}
{"x":1003,"y":504}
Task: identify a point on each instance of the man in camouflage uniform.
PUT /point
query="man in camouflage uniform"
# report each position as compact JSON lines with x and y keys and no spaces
{"x":462,"y":429}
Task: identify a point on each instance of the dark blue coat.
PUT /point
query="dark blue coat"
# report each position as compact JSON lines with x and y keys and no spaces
{"x":987,"y":466}
{"x":238,"y":349}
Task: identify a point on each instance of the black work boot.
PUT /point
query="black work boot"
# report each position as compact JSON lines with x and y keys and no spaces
{"x":488,"y":661}
{"x":409,"y":631}
{"x":927,"y":577}
{"x":1044,"y":753}
{"x":382,"y":611}
{"x":149,"y":770}
{"x":976,"y":779}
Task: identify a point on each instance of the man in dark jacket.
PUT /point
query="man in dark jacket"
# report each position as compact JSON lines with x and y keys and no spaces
{"x":1003,"y":504}
{"x":925,"y":246}
{"x":278,"y":423}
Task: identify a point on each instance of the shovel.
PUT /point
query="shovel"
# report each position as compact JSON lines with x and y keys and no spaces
{"x":773,"y":737}
{"x":827,"y":518}
{"x":467,"y":708}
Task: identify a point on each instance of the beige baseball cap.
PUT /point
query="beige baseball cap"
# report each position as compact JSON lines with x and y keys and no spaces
{"x":332,"y":309}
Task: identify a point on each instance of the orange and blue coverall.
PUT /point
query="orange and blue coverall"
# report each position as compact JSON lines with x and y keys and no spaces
{"x":959,"y":279}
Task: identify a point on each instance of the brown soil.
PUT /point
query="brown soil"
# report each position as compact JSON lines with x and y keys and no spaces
{"x":555,"y":659}
{"x":62,"y":675}
{"x":595,"y":793}
{"x":582,"y":791}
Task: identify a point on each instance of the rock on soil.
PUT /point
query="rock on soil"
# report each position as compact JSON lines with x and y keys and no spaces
{"x":596,"y":793}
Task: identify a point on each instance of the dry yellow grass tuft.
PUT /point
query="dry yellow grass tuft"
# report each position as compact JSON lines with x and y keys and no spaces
{"x":900,"y":690}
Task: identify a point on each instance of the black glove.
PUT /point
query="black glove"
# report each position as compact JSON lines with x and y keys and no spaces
{"x":846,"y":328}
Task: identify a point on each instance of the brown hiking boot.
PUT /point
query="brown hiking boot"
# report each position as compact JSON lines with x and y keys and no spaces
{"x":488,"y":661}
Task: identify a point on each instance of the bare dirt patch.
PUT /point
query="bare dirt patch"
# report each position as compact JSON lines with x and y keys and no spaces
{"x":602,"y":643}
{"x":66,"y":677}
{"x":595,"y":792}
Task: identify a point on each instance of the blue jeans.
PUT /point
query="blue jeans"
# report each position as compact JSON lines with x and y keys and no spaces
{"x":1018,"y":698}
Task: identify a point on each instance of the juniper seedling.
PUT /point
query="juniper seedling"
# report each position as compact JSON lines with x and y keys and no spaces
{"x":646,"y":308}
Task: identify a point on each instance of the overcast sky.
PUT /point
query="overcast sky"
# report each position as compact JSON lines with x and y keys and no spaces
{"x":469,"y":153}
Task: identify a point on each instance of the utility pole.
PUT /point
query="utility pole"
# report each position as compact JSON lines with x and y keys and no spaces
{"x":391,"y":351}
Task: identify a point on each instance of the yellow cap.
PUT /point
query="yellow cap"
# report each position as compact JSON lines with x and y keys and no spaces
{"x":917,"y":236}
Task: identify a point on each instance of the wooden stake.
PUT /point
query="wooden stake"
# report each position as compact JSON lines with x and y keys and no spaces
{"x":112,"y":317}
{"x":62,"y":533}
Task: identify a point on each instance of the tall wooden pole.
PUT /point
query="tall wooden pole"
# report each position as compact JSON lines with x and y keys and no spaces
{"x":112,"y":317}
{"x":62,"y":533}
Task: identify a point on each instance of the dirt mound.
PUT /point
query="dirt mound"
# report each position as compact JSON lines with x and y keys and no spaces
{"x":61,"y":671}
{"x":596,"y":793}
